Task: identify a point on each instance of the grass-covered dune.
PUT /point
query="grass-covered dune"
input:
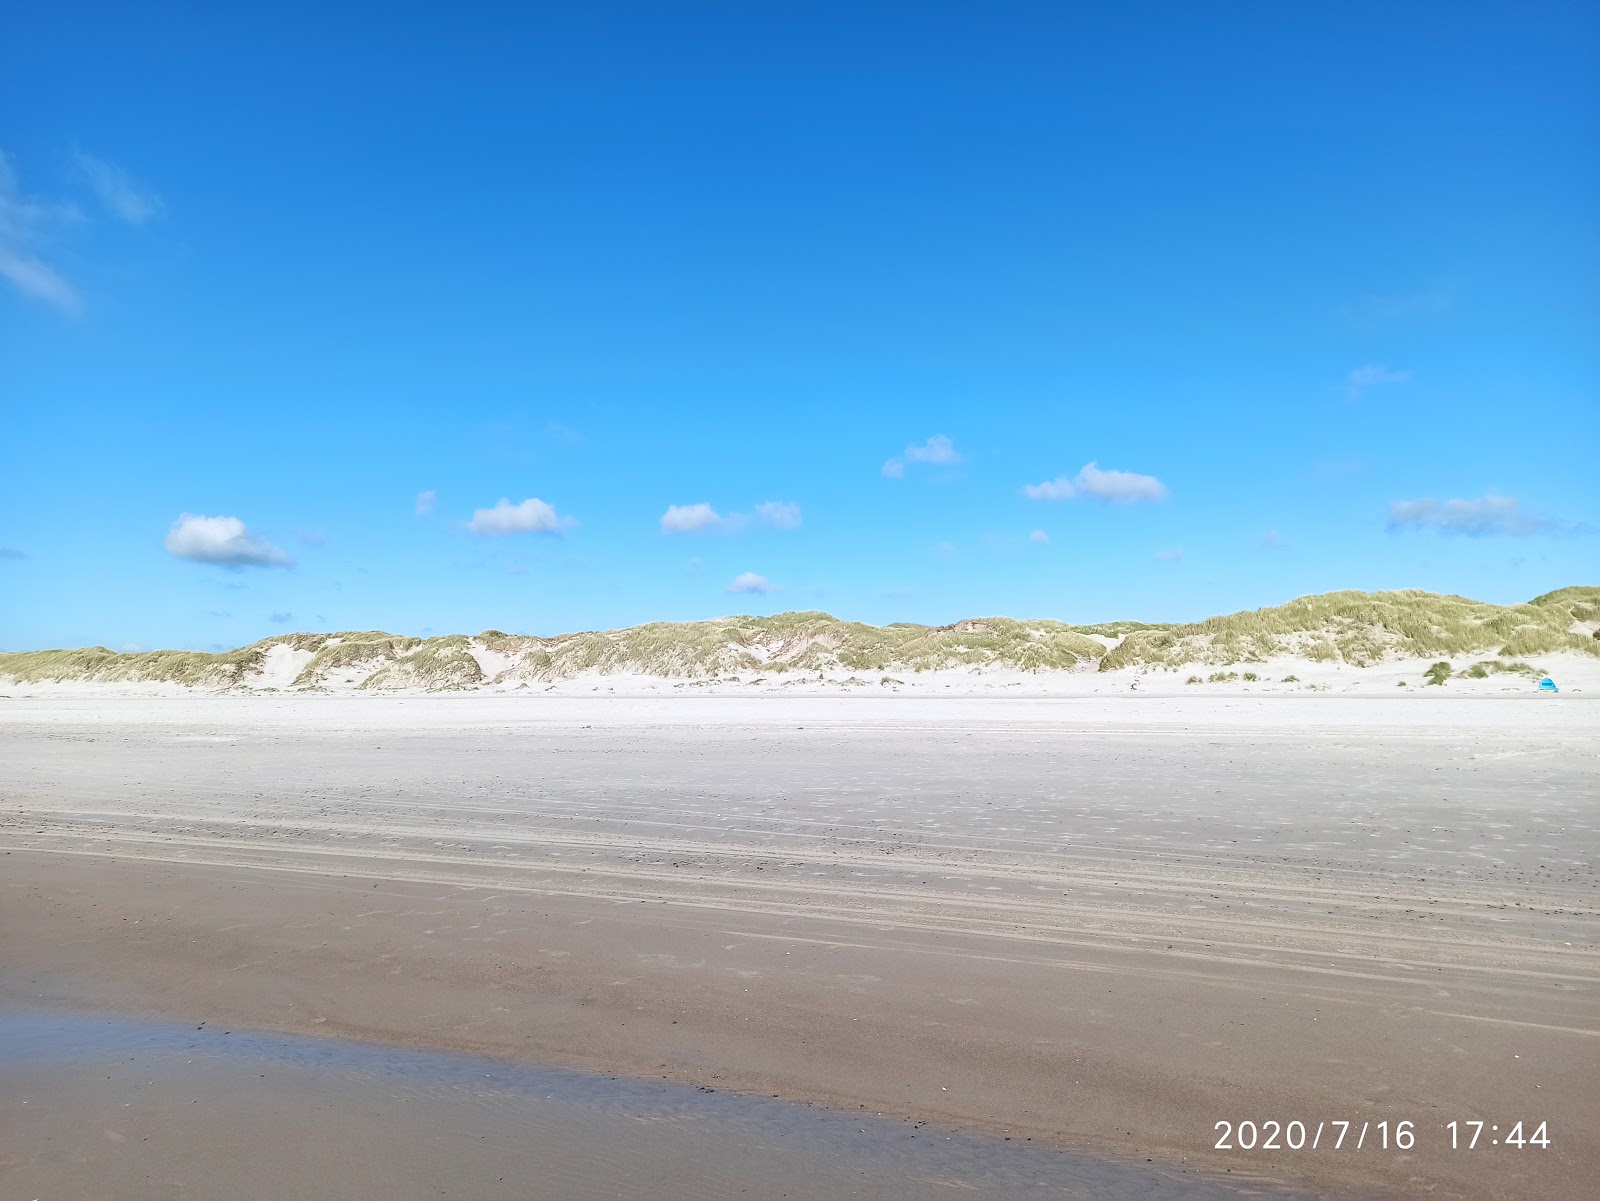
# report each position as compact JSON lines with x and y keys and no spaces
{"x":1364,"y":628}
{"x":1357,"y":628}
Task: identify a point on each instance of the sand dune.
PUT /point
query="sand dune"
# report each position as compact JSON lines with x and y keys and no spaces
{"x":1339,"y":640}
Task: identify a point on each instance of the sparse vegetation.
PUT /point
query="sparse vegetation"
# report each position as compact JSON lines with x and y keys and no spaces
{"x":1338,"y":627}
{"x":1437,"y":674}
{"x":1363,"y":628}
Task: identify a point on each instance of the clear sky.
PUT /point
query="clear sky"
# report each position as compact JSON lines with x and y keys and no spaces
{"x":904,"y":311}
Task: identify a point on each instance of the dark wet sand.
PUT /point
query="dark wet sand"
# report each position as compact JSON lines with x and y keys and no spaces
{"x":135,"y":1111}
{"x":1099,"y":926}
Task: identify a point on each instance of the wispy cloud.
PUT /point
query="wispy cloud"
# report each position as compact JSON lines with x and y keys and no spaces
{"x":1175,"y":555}
{"x":749,"y":581}
{"x":564,"y":434}
{"x":532,"y":516}
{"x":425,"y":502}
{"x":1113,"y":487}
{"x":280,"y":618}
{"x":224,"y":541}
{"x":1384,"y":309}
{"x":125,"y":198}
{"x":1272,"y":540}
{"x":1039,"y":537}
{"x":25,"y":226}
{"x":1374,"y":375}
{"x":779,"y":514}
{"x":937,"y":451}
{"x":11,"y":552}
{"x":1491,"y":514}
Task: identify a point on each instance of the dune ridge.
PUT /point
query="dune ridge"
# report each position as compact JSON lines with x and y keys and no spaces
{"x":1352,"y":629}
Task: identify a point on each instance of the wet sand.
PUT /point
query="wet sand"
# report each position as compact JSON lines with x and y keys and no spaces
{"x":136,"y":1110}
{"x":1102,"y":925}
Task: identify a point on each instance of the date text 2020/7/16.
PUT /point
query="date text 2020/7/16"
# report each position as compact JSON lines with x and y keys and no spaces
{"x":1386,"y":1135}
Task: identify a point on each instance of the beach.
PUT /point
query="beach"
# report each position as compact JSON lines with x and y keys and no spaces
{"x":1095,"y":924}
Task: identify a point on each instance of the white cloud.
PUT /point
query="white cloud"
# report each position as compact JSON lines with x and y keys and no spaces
{"x":425,"y":502}
{"x":749,"y":581}
{"x":1114,"y":487}
{"x":779,"y":514}
{"x":1490,"y":514}
{"x":24,"y":224}
{"x":222,"y":540}
{"x":1039,"y":536}
{"x":117,"y":190}
{"x":937,"y":451}
{"x":1169,"y":556}
{"x":1271,"y":540}
{"x":1374,"y":375}
{"x":532,"y":516}
{"x":691,"y":519}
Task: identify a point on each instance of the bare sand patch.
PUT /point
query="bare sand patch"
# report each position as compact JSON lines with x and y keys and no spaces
{"x":1103,"y":923}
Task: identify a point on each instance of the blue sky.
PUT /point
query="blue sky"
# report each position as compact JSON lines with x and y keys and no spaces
{"x":906,"y":312}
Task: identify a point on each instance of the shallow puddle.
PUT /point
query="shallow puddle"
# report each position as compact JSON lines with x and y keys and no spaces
{"x":132,"y":1110}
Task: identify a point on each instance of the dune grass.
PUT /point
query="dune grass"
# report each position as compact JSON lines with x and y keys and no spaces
{"x":1363,"y":628}
{"x":1358,"y":628}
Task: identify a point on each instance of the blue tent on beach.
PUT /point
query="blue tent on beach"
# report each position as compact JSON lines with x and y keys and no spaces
{"x":1548,"y":685}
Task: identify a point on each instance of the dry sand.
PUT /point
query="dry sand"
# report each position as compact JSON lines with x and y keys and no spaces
{"x":1104,"y":924}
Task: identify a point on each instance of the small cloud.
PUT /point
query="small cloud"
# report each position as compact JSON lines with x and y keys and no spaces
{"x":11,"y":552}
{"x":218,"y":613}
{"x":1378,"y":309}
{"x":280,"y":618}
{"x":222,"y":540}
{"x":126,"y":199}
{"x":1113,"y":487}
{"x":564,"y":434}
{"x":749,"y":581}
{"x":1272,"y":540}
{"x":25,"y":224}
{"x":133,"y":648}
{"x":1329,"y":469}
{"x":695,"y":564}
{"x":313,"y":538}
{"x":1039,"y":537}
{"x":780,"y":515}
{"x":937,"y":451}
{"x":425,"y":502}
{"x":516,"y":569}
{"x":945,"y":550}
{"x":532,"y":516}
{"x":691,"y":519}
{"x":1491,"y":514}
{"x":1374,"y":375}
{"x":1169,"y":556}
